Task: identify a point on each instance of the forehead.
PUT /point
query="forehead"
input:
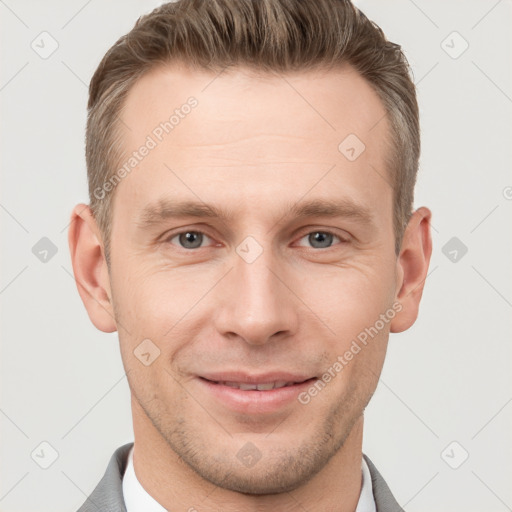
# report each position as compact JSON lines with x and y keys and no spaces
{"x":240,"y":135}
{"x":320,"y":104}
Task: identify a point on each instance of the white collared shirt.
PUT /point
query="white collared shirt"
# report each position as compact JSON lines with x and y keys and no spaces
{"x":137,"y":499}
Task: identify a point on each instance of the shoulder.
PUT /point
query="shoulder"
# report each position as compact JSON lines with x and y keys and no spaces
{"x":108,"y":494}
{"x":384,"y":499}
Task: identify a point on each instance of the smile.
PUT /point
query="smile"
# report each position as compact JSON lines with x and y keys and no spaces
{"x":264,"y":386}
{"x":262,"y":395}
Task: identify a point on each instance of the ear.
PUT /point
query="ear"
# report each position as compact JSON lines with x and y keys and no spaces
{"x":412,"y":268}
{"x":90,"y":268}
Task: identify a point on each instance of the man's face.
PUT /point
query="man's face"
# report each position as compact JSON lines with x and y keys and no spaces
{"x":265,"y":293}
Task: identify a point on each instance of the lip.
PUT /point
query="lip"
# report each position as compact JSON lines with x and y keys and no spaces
{"x":238,"y":376}
{"x":254,"y":401}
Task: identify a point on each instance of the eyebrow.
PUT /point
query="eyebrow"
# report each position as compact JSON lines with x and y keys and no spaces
{"x":164,"y":209}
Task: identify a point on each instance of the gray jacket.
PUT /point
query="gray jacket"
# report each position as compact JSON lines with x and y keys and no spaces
{"x":108,"y":494}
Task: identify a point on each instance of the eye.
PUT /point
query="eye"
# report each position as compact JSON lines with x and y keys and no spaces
{"x":189,"y":239}
{"x":321,"y":239}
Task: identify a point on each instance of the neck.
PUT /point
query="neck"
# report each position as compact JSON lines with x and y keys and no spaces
{"x":177,"y":487}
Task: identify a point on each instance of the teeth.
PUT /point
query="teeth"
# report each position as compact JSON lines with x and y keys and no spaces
{"x":264,"y":386}
{"x":246,"y":387}
{"x":230,"y":384}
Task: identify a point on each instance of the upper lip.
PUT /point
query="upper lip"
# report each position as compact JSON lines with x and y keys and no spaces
{"x":261,"y":378}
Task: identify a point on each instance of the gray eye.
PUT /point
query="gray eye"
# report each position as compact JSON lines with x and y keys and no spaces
{"x":190,"y":239}
{"x":320,"y":239}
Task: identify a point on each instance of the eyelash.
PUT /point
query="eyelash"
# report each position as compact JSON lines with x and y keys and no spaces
{"x":327,"y":232}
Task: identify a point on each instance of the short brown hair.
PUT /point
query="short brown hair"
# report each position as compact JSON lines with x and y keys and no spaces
{"x":269,"y":36}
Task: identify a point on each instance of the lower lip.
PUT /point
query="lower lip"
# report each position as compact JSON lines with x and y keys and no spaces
{"x":254,"y":401}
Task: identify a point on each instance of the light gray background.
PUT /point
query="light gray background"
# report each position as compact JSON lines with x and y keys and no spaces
{"x":446,"y":379}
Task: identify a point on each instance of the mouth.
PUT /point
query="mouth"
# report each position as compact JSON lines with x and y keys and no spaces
{"x":252,"y":394}
{"x":260,"y":386}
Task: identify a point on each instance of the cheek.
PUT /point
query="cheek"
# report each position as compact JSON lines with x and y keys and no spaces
{"x":158,"y":307}
{"x":349,"y":299}
{"x":143,"y":298}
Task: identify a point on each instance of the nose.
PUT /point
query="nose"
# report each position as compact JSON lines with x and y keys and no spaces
{"x":255,"y":303}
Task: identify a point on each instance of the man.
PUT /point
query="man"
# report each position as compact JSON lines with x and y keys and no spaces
{"x":251,"y":238}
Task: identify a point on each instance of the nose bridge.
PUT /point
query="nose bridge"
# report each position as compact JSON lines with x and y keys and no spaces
{"x":256,"y":305}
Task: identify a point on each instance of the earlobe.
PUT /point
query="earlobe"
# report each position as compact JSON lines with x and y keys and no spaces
{"x":90,"y":268}
{"x":412,"y":268}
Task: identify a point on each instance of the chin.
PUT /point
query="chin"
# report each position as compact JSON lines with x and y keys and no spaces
{"x":262,"y":479}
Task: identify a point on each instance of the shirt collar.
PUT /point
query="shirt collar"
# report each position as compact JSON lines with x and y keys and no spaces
{"x":366,"y":501}
{"x":137,"y":499}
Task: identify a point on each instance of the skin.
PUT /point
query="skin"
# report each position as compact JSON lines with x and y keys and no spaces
{"x":254,"y":145}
